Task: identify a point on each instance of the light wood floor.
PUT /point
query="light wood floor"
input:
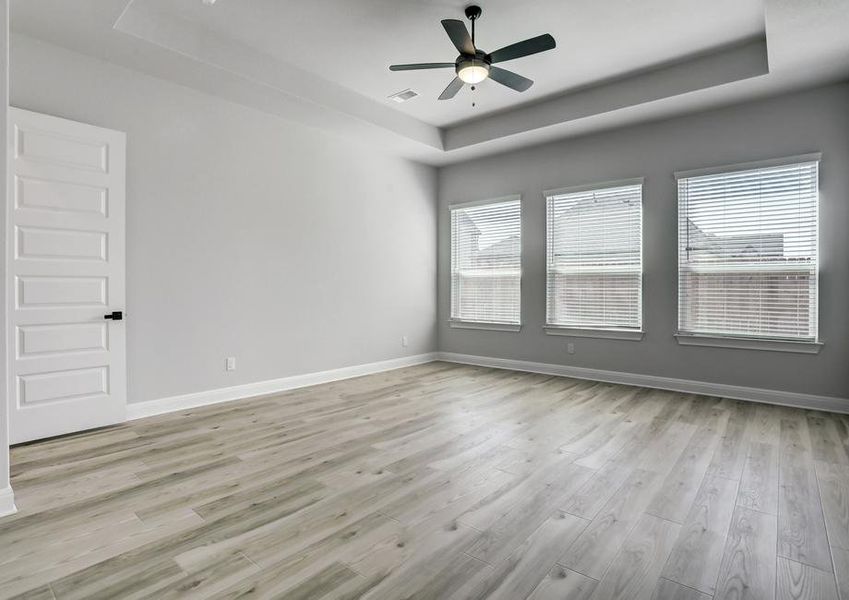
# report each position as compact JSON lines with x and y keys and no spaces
{"x":440,"y":481}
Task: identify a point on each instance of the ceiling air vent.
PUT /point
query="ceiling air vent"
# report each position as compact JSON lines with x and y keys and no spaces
{"x":403,"y":96}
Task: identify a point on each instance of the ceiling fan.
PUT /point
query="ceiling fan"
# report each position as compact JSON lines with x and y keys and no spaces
{"x":474,"y":65}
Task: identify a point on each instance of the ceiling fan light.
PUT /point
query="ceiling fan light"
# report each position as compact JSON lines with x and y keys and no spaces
{"x":473,"y":71}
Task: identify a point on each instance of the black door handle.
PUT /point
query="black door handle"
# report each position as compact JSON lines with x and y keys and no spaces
{"x":115,"y":316}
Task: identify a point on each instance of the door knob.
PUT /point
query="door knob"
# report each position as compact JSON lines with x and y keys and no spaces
{"x":115,"y":316}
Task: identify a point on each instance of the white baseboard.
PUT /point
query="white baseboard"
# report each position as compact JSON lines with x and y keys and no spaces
{"x":149,"y":408}
{"x":7,"y":502}
{"x":735,"y":392}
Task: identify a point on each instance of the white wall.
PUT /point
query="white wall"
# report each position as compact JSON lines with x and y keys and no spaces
{"x":7,"y":502}
{"x":811,"y":121}
{"x":248,"y":235}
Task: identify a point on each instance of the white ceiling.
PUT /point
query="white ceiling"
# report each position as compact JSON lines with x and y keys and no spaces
{"x":325,"y":62}
{"x":354,"y":42}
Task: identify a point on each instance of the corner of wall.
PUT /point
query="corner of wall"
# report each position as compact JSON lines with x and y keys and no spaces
{"x":7,"y":499}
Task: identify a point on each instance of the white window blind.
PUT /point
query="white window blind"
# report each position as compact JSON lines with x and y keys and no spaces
{"x":486,"y":252}
{"x":748,"y":252}
{"x":594,"y":258}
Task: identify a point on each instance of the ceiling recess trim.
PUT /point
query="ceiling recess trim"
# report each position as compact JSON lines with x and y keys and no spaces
{"x":340,"y":110}
{"x":295,"y":87}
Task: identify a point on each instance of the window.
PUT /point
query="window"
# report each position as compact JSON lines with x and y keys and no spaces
{"x":594,"y":257}
{"x":486,"y":252}
{"x":748,"y":251}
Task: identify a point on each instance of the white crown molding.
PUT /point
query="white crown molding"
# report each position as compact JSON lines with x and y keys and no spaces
{"x":149,"y":408}
{"x":7,"y":502}
{"x":734,"y":392}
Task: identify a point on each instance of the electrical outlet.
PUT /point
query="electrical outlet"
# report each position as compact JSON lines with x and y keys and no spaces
{"x":403,"y":341}
{"x":570,"y":348}
{"x":230,"y":364}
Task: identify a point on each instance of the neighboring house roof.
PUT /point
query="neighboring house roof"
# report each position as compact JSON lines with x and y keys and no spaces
{"x":762,"y":245}
{"x":508,"y":246}
{"x":465,"y":222}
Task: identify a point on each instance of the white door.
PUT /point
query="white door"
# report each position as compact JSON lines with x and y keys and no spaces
{"x":65,"y":276}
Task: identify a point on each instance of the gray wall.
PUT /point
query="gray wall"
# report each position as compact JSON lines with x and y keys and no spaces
{"x":248,"y":235}
{"x":811,"y":121}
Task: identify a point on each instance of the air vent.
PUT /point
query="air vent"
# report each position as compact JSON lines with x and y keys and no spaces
{"x":403,"y":96}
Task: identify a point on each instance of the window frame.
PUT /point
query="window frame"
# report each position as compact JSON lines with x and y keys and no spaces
{"x":750,"y":342}
{"x":601,"y":332}
{"x":457,"y":323}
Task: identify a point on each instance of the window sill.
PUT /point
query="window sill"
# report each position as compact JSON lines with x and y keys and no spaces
{"x":606,"y":334}
{"x":686,"y":339}
{"x":487,"y":326}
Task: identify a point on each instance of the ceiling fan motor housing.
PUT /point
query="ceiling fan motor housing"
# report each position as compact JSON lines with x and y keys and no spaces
{"x":473,"y":69}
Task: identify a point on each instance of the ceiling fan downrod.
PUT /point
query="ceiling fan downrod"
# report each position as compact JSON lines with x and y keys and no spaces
{"x":473,"y":13}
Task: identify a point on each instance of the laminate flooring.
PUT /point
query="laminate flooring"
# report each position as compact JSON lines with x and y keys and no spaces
{"x":440,"y":481}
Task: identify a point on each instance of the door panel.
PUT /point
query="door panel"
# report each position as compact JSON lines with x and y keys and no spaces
{"x":35,"y":242}
{"x":61,"y":291}
{"x":68,"y":384}
{"x":47,"y":146}
{"x":66,"y":271}
{"x":35,"y":340}
{"x":60,"y":195}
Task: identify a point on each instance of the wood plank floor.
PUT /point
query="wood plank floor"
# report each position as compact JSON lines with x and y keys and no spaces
{"x":440,"y":481}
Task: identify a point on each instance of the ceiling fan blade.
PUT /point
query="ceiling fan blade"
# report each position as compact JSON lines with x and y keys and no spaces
{"x":459,"y":35}
{"x":452,"y":89}
{"x":417,"y":66}
{"x":512,"y":80}
{"x":541,"y":43}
